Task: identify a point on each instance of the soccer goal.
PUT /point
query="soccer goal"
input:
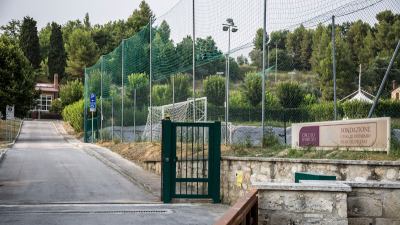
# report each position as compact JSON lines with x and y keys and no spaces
{"x":190,"y":110}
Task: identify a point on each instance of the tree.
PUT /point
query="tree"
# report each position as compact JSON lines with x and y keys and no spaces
{"x":71,"y":92}
{"x":214,"y":89}
{"x":252,"y":88}
{"x":57,"y":55}
{"x":320,"y":44}
{"x":184,"y":51}
{"x":387,"y":31}
{"x":355,"y":37}
{"x":346,"y":73}
{"x":279,"y":38}
{"x":258,"y":40}
{"x":29,"y":41}
{"x":241,"y":60}
{"x":82,"y":52}
{"x":44,"y":41}
{"x":164,"y":31}
{"x":140,"y":82}
{"x":290,"y":95}
{"x":86,"y":22}
{"x":12,"y":29}
{"x":299,"y":47}
{"x":139,"y":18}
{"x":17,"y":81}
{"x":284,"y":60}
{"x":182,"y":87}
{"x":161,"y":94}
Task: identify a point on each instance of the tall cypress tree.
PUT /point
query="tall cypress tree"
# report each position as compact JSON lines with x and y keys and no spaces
{"x":57,"y":57}
{"x":29,"y":41}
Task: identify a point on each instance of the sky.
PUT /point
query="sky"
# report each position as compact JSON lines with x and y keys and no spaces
{"x":60,"y":11}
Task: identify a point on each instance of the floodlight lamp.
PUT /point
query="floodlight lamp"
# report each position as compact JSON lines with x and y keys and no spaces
{"x":234,"y":29}
{"x":225,"y":28}
{"x":230,"y":21}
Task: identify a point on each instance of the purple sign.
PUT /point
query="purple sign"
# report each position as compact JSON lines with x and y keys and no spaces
{"x":309,"y":136}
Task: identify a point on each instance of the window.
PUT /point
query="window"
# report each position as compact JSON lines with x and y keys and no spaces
{"x":44,"y":102}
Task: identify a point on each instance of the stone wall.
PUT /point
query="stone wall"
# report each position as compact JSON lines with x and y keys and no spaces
{"x":253,"y":169}
{"x":300,"y":204}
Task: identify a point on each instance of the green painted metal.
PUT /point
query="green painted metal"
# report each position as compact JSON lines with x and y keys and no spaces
{"x":191,"y":156}
{"x":312,"y":176}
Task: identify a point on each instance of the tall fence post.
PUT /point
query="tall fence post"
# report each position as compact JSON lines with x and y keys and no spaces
{"x":194,"y":61}
{"x":122,"y":91}
{"x":334,"y":67}
{"x":85,"y":130}
{"x":263,"y":73}
{"x":150,"y":78}
{"x":134,"y":114}
{"x":101,"y":97}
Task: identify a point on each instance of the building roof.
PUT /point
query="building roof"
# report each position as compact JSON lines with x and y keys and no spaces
{"x":396,"y":90}
{"x":46,"y":87}
{"x":361,"y":97}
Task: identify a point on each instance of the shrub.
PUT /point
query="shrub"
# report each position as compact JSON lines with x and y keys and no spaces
{"x":71,"y":92}
{"x":323,"y":111}
{"x":237,"y":99}
{"x":252,"y":88}
{"x":356,"y":109}
{"x":388,"y":108}
{"x":290,"y":95}
{"x":140,"y":82}
{"x":161,"y":94}
{"x":73,"y":114}
{"x":214,"y":89}
{"x":56,"y":106}
{"x":182,"y":87}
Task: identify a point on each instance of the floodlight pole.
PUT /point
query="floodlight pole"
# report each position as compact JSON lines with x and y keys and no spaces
{"x":194,"y":63}
{"x":150,"y":78}
{"x":378,"y":95}
{"x":263,"y":73}
{"x":85,"y":107}
{"x":334,"y":67}
{"x":122,"y":93}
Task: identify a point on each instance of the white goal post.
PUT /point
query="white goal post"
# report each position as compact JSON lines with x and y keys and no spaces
{"x":179,"y":111}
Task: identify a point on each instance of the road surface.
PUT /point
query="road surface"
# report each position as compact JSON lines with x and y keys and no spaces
{"x":47,"y":180}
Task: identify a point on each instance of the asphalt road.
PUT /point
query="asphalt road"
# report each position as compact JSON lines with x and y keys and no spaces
{"x":46,"y":180}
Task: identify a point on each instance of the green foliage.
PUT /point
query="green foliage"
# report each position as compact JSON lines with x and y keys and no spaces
{"x":161,"y":94}
{"x":290,"y":95}
{"x":140,"y":82}
{"x":214,"y":89}
{"x":57,"y":56}
{"x":56,"y":106}
{"x":252,"y":88}
{"x":271,"y":101}
{"x":182,"y":87}
{"x":299,"y":46}
{"x":71,"y":92}
{"x":12,"y":29}
{"x":44,"y":41}
{"x":17,"y":80}
{"x":356,"y":109}
{"x":73,"y":114}
{"x":284,"y":60}
{"x":323,"y":111}
{"x":82,"y":51}
{"x":236,"y":99}
{"x":139,"y":18}
{"x":389,"y":108}
{"x":310,"y":99}
{"x":29,"y":41}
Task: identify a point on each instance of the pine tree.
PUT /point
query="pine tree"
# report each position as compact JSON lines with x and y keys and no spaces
{"x":29,"y":41}
{"x":57,"y":56}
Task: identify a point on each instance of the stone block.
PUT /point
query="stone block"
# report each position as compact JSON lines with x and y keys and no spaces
{"x":360,"y":221}
{"x":364,"y":206}
{"x":385,"y":221}
{"x":391,"y":204}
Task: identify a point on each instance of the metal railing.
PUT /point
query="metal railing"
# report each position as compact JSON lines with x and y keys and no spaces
{"x":244,"y":212}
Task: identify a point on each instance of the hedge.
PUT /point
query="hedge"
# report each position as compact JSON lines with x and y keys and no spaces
{"x":73,"y":114}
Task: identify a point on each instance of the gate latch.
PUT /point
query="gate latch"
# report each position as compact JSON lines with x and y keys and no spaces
{"x":166,"y":159}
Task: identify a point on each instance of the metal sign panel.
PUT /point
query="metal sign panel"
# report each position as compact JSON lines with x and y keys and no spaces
{"x":92,"y":102}
{"x":9,"y":112}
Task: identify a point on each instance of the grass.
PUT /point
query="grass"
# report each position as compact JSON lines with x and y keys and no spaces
{"x":13,"y":126}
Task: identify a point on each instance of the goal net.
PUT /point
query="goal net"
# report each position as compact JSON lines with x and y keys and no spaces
{"x":179,"y":111}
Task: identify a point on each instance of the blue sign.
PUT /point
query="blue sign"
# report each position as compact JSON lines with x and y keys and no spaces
{"x":92,"y":102}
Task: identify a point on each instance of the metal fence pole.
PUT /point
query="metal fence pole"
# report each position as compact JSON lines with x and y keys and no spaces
{"x":122,"y":92}
{"x":101,"y":97}
{"x":150,"y":78}
{"x":334,"y":67}
{"x":276,"y":61}
{"x":85,"y":108}
{"x":378,"y":95}
{"x":134,"y":114}
{"x":112,"y":118}
{"x":263,"y":73}
{"x":194,"y":62}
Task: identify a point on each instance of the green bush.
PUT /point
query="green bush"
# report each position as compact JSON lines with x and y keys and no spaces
{"x":161,"y":94}
{"x":214,"y":89}
{"x":356,"y":109}
{"x":290,"y":95}
{"x":56,"y":106}
{"x":237,"y":99}
{"x":71,"y":92}
{"x":323,"y":111}
{"x":73,"y":114}
{"x":182,"y":87}
{"x":388,"y":108}
{"x":252,"y":88}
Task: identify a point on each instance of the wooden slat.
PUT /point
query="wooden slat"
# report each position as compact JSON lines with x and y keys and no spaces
{"x":236,"y":215}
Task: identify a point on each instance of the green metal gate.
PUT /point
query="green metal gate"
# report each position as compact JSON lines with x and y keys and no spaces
{"x":191,"y":155}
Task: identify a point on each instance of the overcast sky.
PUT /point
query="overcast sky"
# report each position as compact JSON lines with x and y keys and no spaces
{"x":60,"y":11}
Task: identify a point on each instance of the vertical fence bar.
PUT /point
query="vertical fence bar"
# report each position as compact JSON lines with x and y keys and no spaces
{"x":134,"y":115}
{"x":194,"y":62}
{"x":112,"y":118}
{"x":85,"y":130}
{"x":101,"y":97}
{"x":122,"y":92}
{"x":150,"y":78}
{"x":334,"y":67}
{"x":263,"y":73}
